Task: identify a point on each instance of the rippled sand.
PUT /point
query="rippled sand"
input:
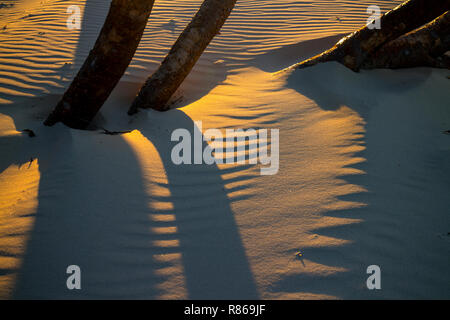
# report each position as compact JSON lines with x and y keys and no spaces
{"x":363,"y":179}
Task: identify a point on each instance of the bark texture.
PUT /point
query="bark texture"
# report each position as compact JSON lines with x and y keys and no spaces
{"x":353,"y":50}
{"x":425,"y":46}
{"x":105,"y":65}
{"x":160,"y":87}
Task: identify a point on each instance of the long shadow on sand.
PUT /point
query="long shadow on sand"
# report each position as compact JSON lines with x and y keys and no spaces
{"x":95,"y":12}
{"x":95,"y":211}
{"x":214,"y":259}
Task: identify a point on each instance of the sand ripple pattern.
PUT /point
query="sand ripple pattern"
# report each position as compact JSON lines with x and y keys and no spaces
{"x":51,"y":54}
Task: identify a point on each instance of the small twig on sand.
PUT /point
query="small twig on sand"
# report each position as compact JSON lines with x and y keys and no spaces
{"x":114,"y":133}
{"x":30,"y":132}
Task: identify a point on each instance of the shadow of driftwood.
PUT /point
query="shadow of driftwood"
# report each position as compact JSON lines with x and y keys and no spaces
{"x":214,"y":259}
{"x":93,"y":214}
{"x":281,"y":58}
{"x":94,"y":15}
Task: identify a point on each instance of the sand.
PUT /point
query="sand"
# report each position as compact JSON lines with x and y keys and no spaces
{"x":363,"y":178}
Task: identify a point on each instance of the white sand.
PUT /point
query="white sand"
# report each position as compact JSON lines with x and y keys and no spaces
{"x":364,"y":172}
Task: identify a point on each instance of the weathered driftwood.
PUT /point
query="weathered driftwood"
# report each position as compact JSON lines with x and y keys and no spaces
{"x":105,"y":65}
{"x":425,"y":46}
{"x":160,"y":87}
{"x":353,"y":50}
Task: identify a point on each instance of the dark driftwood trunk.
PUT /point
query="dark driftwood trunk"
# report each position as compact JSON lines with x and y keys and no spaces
{"x":354,"y":49}
{"x":422,"y":47}
{"x":158,"y":89}
{"x":105,"y":65}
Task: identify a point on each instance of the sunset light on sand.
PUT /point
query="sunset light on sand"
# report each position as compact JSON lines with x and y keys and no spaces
{"x":189,"y":150}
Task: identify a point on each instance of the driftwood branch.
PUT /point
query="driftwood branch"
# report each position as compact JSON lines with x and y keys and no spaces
{"x":353,"y":50}
{"x":105,"y":65}
{"x":205,"y":25}
{"x":423,"y":47}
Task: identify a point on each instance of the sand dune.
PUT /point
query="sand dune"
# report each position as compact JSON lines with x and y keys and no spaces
{"x":363,"y":173}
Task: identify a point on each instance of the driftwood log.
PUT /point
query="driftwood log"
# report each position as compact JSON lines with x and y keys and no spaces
{"x":354,"y":50}
{"x":425,"y":46}
{"x":206,"y":24}
{"x":105,"y":65}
